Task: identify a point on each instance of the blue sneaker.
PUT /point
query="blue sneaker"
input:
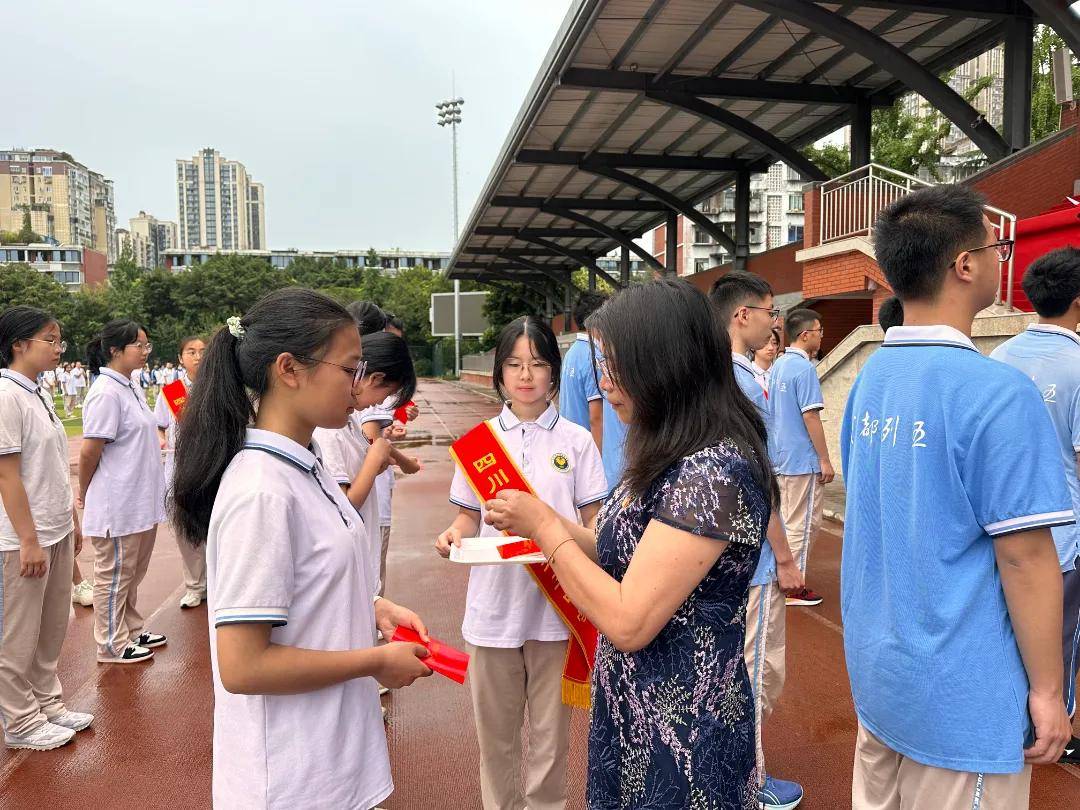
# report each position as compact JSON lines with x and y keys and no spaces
{"x":777,"y":794}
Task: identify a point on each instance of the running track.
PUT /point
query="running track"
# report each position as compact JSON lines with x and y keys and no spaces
{"x":150,"y":744}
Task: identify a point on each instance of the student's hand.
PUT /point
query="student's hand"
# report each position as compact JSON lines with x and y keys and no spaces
{"x":395,"y":432}
{"x":789,"y":578}
{"x":827,"y":473}
{"x":410,"y":465}
{"x":381,"y":449}
{"x":517,"y":512}
{"x":389,"y":616}
{"x":401,"y":663}
{"x":32,"y":561}
{"x":78,"y":539}
{"x":1052,"y":728}
{"x":451,"y":537}
{"x":412,"y":411}
{"x":79,"y":502}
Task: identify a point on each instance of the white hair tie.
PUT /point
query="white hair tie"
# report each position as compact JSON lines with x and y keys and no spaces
{"x":235,"y":329}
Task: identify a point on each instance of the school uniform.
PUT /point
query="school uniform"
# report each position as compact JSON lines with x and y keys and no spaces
{"x":343,"y":452}
{"x":518,"y":641}
{"x":286,"y":548}
{"x":765,"y":644}
{"x":383,"y":416}
{"x":934,"y":475}
{"x":794,"y":390}
{"x":578,"y":386}
{"x":70,"y":390}
{"x":78,"y":377}
{"x":1050,"y":357}
{"x":192,"y":559}
{"x":614,"y":442}
{"x":761,"y":376}
{"x":124,"y":503}
{"x":34,"y":610}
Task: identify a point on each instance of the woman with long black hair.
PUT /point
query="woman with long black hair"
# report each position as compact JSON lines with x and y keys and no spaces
{"x":665,"y":576}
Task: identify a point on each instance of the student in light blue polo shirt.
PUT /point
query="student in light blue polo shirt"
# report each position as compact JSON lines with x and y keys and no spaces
{"x":797,"y":444}
{"x":950,"y":588}
{"x":744,"y":305}
{"x":1049,"y":353}
{"x":580,"y":399}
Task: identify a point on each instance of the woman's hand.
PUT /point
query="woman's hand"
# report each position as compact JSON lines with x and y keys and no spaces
{"x":451,"y":537}
{"x":390,"y":615}
{"x":518,"y":513}
{"x":79,"y":502}
{"x":395,"y":432}
{"x":412,"y":411}
{"x":32,"y":561}
{"x":401,"y":663}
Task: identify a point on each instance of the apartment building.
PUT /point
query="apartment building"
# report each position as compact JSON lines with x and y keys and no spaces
{"x":147,"y":239}
{"x":220,"y":206}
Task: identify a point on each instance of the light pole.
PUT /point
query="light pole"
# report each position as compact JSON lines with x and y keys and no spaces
{"x":450,"y":115}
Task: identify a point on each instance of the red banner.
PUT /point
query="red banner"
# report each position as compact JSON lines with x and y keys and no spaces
{"x":175,"y":394}
{"x":489,"y":469}
{"x":443,"y":658}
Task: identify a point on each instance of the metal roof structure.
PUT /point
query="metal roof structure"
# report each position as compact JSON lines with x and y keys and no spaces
{"x":643,"y":108}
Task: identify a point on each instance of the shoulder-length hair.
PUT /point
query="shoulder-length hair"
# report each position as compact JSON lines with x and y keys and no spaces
{"x":666,"y":350}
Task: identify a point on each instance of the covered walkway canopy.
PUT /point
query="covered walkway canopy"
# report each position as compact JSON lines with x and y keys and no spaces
{"x":643,"y":108}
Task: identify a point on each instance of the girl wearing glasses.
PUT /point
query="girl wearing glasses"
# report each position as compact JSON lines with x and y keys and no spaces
{"x":39,"y":536}
{"x":121,"y":489}
{"x":296,"y":705}
{"x":350,"y":457}
{"x":517,"y":640}
{"x":764,"y":359}
{"x":192,"y":560}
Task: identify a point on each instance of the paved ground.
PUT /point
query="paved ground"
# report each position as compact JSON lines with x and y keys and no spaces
{"x":150,"y":745}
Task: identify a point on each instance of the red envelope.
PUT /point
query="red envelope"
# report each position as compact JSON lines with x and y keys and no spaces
{"x":443,"y":658}
{"x":517,"y":548}
{"x":400,"y":414}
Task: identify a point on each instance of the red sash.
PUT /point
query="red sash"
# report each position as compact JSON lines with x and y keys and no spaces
{"x":175,"y":394}
{"x":489,"y":469}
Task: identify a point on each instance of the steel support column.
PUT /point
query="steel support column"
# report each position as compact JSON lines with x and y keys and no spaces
{"x":671,"y":244}
{"x":1059,"y":16}
{"x":860,"y":134}
{"x":624,"y":265}
{"x":1016,"y":126}
{"x":592,"y":279}
{"x":742,"y":219}
{"x":568,"y":305}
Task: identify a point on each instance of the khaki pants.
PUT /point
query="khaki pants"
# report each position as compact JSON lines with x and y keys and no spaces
{"x":33,"y":623}
{"x":120,"y":564}
{"x":503,"y":683}
{"x":193,"y":562}
{"x":886,"y":780}
{"x":382,"y":558}
{"x":801,"y":505}
{"x":765,"y":649}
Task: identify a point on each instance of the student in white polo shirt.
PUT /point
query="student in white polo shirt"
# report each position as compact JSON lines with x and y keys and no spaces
{"x":192,"y":559}
{"x":797,"y":446}
{"x":1049,"y":353}
{"x":517,"y":639}
{"x":122,"y":491}
{"x":70,"y":391}
{"x":296,"y":706}
{"x":39,"y":536}
{"x":348,"y":455}
{"x":950,"y":588}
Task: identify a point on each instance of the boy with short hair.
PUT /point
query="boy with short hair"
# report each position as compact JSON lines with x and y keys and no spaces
{"x":580,"y":399}
{"x":950,"y":588}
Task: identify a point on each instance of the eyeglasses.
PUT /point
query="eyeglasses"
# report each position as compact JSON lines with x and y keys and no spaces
{"x":358,"y":373}
{"x":535,"y":366}
{"x":52,"y":342}
{"x":819,"y":329}
{"x":143,"y":347}
{"x":601,"y":363}
{"x":1004,"y":248}
{"x":774,"y":312}
{"x":194,"y":352}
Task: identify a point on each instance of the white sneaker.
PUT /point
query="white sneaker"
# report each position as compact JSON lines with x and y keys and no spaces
{"x":43,"y":738}
{"x":132,"y":655}
{"x":83,"y":594}
{"x":76,"y":721}
{"x":191,"y":599}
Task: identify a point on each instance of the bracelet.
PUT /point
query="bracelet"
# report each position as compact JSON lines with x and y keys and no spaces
{"x":551,"y":559}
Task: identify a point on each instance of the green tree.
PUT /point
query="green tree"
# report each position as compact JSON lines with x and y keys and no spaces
{"x":1045,"y":112}
{"x":91,"y":309}
{"x":27,"y":234}
{"x":225,"y":286}
{"x":22,"y":284}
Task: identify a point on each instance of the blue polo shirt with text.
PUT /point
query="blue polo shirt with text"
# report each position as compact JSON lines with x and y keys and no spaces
{"x":793,"y":391}
{"x":577,"y":384}
{"x":944,"y":450}
{"x":748,"y":384}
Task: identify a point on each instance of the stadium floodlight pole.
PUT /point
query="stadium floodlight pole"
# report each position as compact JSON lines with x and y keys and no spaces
{"x":450,"y":116}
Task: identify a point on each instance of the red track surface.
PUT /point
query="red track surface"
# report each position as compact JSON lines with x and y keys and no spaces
{"x":150,"y":743}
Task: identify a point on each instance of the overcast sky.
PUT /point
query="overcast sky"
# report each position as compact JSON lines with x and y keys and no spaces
{"x":328,"y":103}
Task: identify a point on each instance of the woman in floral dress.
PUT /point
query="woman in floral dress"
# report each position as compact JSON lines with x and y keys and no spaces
{"x":665,"y":576}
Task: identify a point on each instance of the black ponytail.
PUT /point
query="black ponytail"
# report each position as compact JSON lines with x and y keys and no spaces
{"x":389,"y":354}
{"x":19,"y":323}
{"x":232,"y":377}
{"x":369,"y":318}
{"x":114,"y":335}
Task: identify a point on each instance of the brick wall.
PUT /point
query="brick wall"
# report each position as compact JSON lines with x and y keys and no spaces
{"x":776,"y":266}
{"x":843,"y":273}
{"x":840,"y":316}
{"x":812,"y":215}
{"x":95,"y":267}
{"x":880,"y":295}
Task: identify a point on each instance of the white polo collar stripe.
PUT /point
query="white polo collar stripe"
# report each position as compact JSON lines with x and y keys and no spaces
{"x":1053,"y":329}
{"x":797,"y":351}
{"x":19,"y":379}
{"x":938,"y":335}
{"x":115,"y":375}
{"x":281,"y":446}
{"x":741,"y":360}
{"x":508,"y":420}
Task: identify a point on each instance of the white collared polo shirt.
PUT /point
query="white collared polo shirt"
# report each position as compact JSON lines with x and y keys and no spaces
{"x":504,"y":607}
{"x":127,"y":493}
{"x":285,"y":547}
{"x":30,"y":427}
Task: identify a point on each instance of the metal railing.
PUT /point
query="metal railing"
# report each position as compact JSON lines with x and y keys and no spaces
{"x":851,"y":202}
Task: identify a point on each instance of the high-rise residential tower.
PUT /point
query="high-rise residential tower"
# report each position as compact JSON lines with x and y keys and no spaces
{"x":219,"y":204}
{"x":147,"y":239}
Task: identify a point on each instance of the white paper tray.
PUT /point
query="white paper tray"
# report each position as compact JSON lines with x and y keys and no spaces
{"x":484,"y":551}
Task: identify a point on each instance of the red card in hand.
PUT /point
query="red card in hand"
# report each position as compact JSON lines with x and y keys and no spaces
{"x":517,"y":548}
{"x":401,"y":414}
{"x":443,"y":658}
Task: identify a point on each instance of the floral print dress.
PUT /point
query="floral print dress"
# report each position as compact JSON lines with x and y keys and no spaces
{"x":673,"y":724}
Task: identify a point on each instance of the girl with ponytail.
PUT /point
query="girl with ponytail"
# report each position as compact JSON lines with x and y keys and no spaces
{"x":121,"y":490}
{"x":293,"y":614}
